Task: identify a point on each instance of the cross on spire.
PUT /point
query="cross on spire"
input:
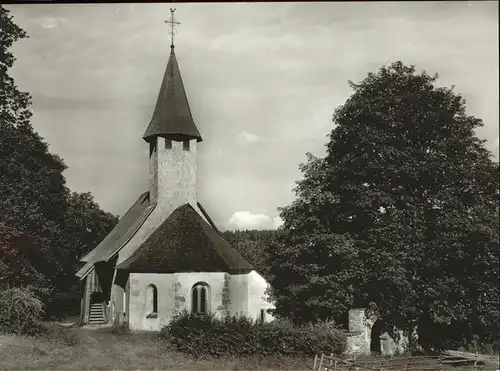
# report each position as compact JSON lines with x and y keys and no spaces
{"x":172,"y":23}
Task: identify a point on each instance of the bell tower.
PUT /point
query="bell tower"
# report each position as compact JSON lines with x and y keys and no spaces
{"x":172,"y":137}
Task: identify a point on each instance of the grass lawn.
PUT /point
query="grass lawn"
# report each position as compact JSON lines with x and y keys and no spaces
{"x":102,"y":349}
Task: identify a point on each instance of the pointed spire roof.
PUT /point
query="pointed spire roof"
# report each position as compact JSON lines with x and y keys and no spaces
{"x":172,"y":115}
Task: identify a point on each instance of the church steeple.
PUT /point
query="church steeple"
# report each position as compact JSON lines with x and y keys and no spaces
{"x":172,"y":117}
{"x":172,"y":137}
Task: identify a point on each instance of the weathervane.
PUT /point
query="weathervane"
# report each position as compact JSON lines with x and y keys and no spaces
{"x":172,"y":23}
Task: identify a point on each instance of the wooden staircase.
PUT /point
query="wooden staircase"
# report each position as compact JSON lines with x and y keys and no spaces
{"x":96,"y":315}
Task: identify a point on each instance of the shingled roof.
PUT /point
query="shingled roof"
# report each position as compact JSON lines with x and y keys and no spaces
{"x":185,"y":242}
{"x":120,"y":234}
{"x":172,"y":115}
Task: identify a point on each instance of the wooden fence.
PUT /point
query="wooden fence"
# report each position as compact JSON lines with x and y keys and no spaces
{"x":430,"y":363}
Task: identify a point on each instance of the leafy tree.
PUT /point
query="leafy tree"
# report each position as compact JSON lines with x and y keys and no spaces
{"x":44,"y":229}
{"x":253,"y":246}
{"x":13,"y":103}
{"x":402,"y":211}
{"x":15,"y":268}
{"x":33,"y":201}
{"x":85,"y":226}
{"x":313,"y":270}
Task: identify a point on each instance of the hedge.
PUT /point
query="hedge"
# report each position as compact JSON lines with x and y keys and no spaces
{"x":239,"y":336}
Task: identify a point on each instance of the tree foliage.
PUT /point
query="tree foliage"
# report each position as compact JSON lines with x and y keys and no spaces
{"x":253,"y":246}
{"x":85,"y":226}
{"x":44,"y":228}
{"x":401,"y":212}
{"x":31,"y":182}
{"x":21,"y":312}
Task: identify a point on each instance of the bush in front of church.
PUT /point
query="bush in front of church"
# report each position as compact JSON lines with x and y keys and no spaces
{"x":240,"y":336}
{"x":21,"y":312}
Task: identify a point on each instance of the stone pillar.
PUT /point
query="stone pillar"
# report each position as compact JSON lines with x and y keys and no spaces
{"x":356,"y":319}
{"x":360,"y":328}
{"x":386,"y":345}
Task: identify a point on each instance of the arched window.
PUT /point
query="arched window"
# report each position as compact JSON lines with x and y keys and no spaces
{"x":152,"y":301}
{"x":199,"y":298}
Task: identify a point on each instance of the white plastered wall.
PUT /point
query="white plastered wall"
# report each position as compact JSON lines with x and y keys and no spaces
{"x":246,"y":296}
{"x":257,"y":297}
{"x":174,"y":296}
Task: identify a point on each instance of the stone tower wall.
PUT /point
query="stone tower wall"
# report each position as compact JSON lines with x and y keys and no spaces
{"x":177,"y":176}
{"x":173,"y":179}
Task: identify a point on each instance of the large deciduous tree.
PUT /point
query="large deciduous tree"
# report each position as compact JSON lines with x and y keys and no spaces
{"x":402,"y":212}
{"x":84,"y":227}
{"x":33,"y":202}
{"x":44,"y":228}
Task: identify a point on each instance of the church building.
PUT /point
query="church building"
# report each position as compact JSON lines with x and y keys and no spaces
{"x":165,"y":255}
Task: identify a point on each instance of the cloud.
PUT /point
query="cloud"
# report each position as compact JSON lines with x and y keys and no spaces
{"x":277,"y":222}
{"x":54,"y":22}
{"x":49,"y":22}
{"x":246,"y":220}
{"x":248,"y":137}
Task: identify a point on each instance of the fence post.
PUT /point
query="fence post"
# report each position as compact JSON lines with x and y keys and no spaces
{"x":315,"y":362}
{"x":321,"y":362}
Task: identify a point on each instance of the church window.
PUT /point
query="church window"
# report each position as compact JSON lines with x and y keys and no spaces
{"x":152,"y":301}
{"x":262,"y":315}
{"x":152,"y":148}
{"x":168,"y":143}
{"x":199,"y":298}
{"x":185,"y":145}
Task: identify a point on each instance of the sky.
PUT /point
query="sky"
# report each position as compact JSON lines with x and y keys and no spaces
{"x":262,"y":79}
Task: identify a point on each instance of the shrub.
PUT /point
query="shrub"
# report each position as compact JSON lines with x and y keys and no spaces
{"x":478,"y":345}
{"x":240,"y":336}
{"x":20,"y":312}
